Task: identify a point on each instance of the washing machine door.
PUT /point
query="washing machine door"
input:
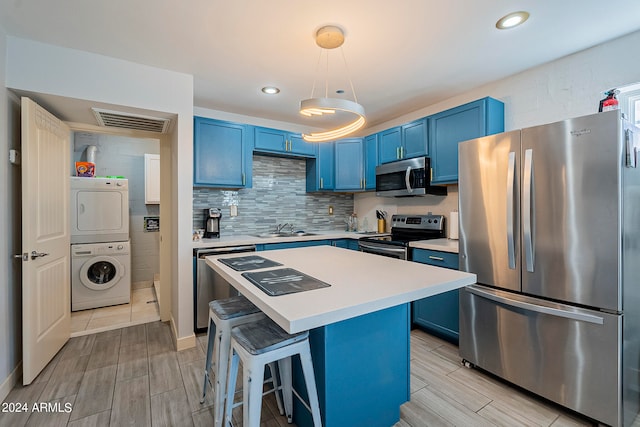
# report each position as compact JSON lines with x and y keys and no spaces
{"x":101,"y":272}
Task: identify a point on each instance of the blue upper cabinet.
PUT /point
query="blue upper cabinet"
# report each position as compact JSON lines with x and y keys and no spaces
{"x":349,"y":165}
{"x":321,"y":170}
{"x":370,"y":161}
{"x":390,"y":141}
{"x":404,"y":142}
{"x":274,"y":141}
{"x":415,"y":139}
{"x":448,"y":128}
{"x":297,"y":145}
{"x":221,"y":154}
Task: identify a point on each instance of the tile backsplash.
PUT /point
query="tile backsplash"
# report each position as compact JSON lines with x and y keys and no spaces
{"x":278,"y":196}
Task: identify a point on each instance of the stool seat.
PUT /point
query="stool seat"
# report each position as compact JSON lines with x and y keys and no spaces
{"x":264,"y":335}
{"x":256,"y":345}
{"x":230,"y":308}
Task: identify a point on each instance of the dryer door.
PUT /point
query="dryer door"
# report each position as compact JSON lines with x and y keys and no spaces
{"x":101,"y":272}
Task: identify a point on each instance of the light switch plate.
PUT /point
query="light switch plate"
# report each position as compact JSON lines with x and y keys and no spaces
{"x":233,"y":210}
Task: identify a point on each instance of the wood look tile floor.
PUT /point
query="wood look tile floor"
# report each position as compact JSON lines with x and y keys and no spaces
{"x":133,"y":376}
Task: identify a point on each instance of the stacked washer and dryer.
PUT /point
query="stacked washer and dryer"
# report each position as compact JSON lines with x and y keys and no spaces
{"x":100,"y":246}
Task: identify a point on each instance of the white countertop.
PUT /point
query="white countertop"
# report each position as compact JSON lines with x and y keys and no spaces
{"x":254,"y":240}
{"x":444,"y":245}
{"x":361,"y":283}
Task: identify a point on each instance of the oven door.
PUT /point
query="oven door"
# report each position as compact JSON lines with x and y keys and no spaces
{"x":392,"y":251}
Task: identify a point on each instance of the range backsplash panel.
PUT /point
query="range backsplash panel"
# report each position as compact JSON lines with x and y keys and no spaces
{"x":278,"y":196}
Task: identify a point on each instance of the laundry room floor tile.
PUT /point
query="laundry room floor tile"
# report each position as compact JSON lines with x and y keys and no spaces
{"x":142,"y":309}
{"x":114,"y":310}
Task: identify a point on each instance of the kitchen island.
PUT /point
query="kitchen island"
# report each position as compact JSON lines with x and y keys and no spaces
{"x":359,"y":325}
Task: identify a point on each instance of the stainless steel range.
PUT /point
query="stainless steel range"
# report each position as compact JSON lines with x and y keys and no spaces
{"x":404,"y":229}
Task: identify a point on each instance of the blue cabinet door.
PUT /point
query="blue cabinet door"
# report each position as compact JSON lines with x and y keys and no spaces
{"x":221,"y":154}
{"x":270,"y":140}
{"x":438,"y":314}
{"x":297,"y":145}
{"x":349,"y":165}
{"x":415,"y":139}
{"x":321,"y":170}
{"x":389,"y":144}
{"x":346,"y":244}
{"x":370,"y":161}
{"x":448,"y":128}
{"x":276,"y":141}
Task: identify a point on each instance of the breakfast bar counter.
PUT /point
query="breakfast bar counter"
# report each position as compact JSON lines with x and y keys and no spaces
{"x":359,"y":325}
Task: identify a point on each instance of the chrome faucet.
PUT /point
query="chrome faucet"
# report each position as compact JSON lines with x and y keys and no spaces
{"x":281,"y":227}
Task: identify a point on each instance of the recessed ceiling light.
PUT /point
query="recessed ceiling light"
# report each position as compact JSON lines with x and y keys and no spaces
{"x":270,"y":90}
{"x":512,"y":20}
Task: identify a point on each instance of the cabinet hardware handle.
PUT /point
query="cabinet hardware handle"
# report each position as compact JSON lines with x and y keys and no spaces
{"x":321,"y":183}
{"x":243,"y":179}
{"x":436,"y":258}
{"x":402,"y":152}
{"x":430,"y":174}
{"x":397,"y":152}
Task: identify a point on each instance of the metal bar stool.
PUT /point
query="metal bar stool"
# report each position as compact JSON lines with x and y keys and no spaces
{"x":225,"y":314}
{"x":258,"y":344}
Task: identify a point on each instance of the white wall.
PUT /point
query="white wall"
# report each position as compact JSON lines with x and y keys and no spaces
{"x":87,"y":76}
{"x":10,"y":223}
{"x":568,"y":87}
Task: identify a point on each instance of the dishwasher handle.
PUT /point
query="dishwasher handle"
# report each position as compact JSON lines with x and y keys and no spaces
{"x":201,"y":253}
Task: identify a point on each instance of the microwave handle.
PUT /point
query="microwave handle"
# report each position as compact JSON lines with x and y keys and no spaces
{"x":407,"y":180}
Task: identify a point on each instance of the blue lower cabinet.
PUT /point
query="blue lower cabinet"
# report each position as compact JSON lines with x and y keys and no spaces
{"x":438,"y":314}
{"x":362,"y":370}
{"x":346,"y":244}
{"x":288,"y":245}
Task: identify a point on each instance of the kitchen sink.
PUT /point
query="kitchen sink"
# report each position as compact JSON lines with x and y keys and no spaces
{"x":285,"y":234}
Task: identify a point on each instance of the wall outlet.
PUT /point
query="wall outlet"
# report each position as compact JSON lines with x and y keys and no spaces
{"x":233,"y":210}
{"x":330,"y":210}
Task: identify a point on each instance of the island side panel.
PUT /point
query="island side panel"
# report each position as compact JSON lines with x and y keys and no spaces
{"x":362,"y":370}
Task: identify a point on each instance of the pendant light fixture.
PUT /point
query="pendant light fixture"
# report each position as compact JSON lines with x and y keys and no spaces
{"x":332,"y":37}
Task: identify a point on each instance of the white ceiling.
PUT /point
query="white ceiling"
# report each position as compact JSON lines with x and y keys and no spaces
{"x":402,"y":55}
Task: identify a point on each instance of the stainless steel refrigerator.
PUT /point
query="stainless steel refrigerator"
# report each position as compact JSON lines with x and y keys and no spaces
{"x":550,"y":223}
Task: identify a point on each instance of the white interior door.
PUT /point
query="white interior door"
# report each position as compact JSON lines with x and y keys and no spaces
{"x":46,"y":311}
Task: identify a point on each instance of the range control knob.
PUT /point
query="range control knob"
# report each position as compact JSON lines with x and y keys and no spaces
{"x":120,"y":247}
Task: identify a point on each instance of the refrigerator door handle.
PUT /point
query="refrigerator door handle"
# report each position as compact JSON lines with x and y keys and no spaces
{"x":511,"y":175}
{"x":528,"y":207}
{"x":543,"y":309}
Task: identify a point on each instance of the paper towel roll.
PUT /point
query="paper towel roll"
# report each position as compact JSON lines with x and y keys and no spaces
{"x":453,"y":225}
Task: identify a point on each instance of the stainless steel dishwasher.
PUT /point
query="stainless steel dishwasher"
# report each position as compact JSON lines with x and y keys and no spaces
{"x":208,"y":284}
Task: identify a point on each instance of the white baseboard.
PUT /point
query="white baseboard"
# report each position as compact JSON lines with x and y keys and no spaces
{"x":182,"y":343}
{"x":10,"y":382}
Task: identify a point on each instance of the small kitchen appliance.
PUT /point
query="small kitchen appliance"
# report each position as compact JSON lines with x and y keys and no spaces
{"x":212,"y":222}
{"x":404,"y":229}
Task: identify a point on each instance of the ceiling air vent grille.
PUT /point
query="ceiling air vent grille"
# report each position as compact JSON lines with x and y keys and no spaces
{"x":131,"y":121}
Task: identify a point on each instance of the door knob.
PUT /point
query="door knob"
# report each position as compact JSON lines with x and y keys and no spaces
{"x":23,"y":257}
{"x":35,"y":254}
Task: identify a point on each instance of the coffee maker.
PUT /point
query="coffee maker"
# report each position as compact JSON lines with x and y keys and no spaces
{"x":212,"y":222}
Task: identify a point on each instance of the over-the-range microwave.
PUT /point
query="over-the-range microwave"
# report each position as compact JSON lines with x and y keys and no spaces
{"x":410,"y":177}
